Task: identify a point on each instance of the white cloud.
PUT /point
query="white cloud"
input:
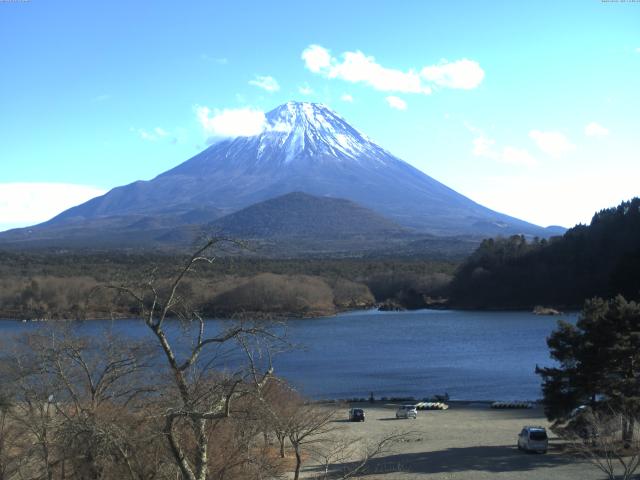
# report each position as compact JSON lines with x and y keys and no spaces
{"x":305,"y":89}
{"x":594,"y":129}
{"x":146,"y":135}
{"x":241,"y":122}
{"x":316,"y":58}
{"x":517,"y":156}
{"x":396,"y":102}
{"x":464,"y":74}
{"x":485,"y":147}
{"x":346,"y":98}
{"x":24,"y":204}
{"x":554,"y":144}
{"x":154,"y":135}
{"x":356,"y":67}
{"x":266,"y":82}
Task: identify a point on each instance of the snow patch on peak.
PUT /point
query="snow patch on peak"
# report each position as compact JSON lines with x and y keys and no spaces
{"x":304,"y":129}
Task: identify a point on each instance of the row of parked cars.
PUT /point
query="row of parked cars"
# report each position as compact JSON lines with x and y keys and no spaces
{"x":403,"y":411}
{"x":530,"y":438}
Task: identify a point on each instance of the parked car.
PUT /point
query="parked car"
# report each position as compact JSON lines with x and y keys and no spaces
{"x":407,"y":411}
{"x":533,"y":439}
{"x":356,"y":415}
{"x":579,"y":410}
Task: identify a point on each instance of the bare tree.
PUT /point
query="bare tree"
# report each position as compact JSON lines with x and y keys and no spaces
{"x":33,"y":390}
{"x":309,"y":426}
{"x":10,"y":435}
{"x":200,"y":396}
{"x":356,"y":454}
{"x":78,"y":401}
{"x":238,"y":451}
{"x":598,"y":440}
{"x":279,"y":406}
{"x":311,"y":429}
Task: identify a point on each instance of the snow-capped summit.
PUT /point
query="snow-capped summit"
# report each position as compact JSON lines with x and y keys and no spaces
{"x":305,"y":147}
{"x":297,"y":135}
{"x":312,"y":129}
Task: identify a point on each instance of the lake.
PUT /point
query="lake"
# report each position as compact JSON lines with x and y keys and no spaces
{"x":470,"y":355}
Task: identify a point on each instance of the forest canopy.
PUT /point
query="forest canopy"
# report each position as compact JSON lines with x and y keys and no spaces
{"x":601,"y":259}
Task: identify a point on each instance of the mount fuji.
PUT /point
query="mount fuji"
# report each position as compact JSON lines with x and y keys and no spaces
{"x":304,"y":147}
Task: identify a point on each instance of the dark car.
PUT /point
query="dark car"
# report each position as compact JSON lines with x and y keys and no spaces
{"x":356,"y":415}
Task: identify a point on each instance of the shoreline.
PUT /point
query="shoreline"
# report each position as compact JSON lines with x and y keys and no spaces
{"x":259,"y":315}
{"x":407,"y":401}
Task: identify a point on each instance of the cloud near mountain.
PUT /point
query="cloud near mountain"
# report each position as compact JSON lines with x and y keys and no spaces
{"x":356,"y":67}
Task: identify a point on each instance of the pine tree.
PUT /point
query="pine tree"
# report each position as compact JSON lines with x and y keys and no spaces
{"x":599,"y":361}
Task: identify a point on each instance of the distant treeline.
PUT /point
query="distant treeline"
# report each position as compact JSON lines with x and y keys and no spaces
{"x":66,"y":285}
{"x":601,"y":259}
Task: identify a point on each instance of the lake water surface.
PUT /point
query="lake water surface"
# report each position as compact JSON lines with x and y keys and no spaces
{"x":470,"y":355}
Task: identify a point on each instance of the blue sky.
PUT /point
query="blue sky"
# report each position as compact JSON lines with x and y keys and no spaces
{"x":530,"y":108}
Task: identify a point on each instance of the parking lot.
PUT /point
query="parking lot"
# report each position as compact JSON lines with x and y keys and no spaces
{"x":467,"y":441}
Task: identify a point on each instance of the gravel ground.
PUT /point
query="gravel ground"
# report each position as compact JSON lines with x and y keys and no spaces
{"x":468,"y":441}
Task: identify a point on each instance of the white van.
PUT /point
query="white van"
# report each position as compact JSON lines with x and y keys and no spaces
{"x":533,"y":439}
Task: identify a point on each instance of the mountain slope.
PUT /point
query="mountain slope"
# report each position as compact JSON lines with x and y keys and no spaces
{"x":301,"y":215}
{"x":306,"y":148}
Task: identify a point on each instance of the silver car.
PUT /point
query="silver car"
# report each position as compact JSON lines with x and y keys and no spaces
{"x":407,"y":411}
{"x":533,"y":439}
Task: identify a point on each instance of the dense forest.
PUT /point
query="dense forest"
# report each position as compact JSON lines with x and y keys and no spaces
{"x":601,"y":259}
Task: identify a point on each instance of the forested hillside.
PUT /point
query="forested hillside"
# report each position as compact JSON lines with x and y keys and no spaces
{"x":600,"y":259}
{"x":62,"y":285}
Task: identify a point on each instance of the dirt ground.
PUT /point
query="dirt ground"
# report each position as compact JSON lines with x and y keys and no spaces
{"x":468,"y":441}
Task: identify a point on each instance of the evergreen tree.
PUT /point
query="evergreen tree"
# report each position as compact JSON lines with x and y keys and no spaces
{"x":599,"y":360}
{"x":602,"y":259}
